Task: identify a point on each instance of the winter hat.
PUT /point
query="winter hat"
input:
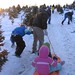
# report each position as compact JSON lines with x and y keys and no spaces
{"x":48,"y":7}
{"x":47,"y":44}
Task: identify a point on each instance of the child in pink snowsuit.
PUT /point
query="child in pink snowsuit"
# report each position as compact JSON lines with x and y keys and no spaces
{"x":43,"y":61}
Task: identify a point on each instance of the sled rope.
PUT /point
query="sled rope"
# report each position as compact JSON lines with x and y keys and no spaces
{"x":51,"y":44}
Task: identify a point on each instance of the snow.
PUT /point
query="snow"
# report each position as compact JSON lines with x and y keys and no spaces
{"x":62,"y":42}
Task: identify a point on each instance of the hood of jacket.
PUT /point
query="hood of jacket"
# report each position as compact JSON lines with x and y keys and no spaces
{"x":43,"y":51}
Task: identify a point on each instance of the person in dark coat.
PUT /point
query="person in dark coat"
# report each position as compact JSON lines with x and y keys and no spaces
{"x":49,"y":13}
{"x":17,"y":37}
{"x":69,"y":16}
{"x":39,"y":24}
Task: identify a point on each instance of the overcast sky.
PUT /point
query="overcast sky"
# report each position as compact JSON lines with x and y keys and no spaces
{"x":8,"y":3}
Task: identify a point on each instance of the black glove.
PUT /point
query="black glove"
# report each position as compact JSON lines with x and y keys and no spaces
{"x":31,"y":32}
{"x":55,"y":58}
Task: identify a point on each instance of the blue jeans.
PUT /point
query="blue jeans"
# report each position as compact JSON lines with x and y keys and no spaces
{"x":58,"y":67}
{"x":49,"y":20}
{"x":69,"y":19}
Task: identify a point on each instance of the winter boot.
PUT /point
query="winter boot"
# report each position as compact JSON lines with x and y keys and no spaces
{"x":68,"y":23}
{"x":62,"y":63}
{"x":62,"y":22}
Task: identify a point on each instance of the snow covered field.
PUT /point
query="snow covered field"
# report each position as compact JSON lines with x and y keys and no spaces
{"x":62,"y":40}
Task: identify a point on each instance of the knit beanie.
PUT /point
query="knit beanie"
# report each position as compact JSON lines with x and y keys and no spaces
{"x":47,"y":44}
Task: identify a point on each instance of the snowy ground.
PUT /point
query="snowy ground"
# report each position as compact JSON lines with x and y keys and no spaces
{"x":62,"y":40}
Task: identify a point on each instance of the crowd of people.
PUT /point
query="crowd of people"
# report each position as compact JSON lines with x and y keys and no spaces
{"x":39,"y":29}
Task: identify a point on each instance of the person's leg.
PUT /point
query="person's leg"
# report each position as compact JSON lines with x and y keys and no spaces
{"x":69,"y":19}
{"x":20,"y":45}
{"x":58,"y":67}
{"x":35,"y":40}
{"x":41,"y":41}
{"x":20,"y":48}
{"x":40,"y":36}
{"x":64,"y":19}
{"x":12,"y":40}
{"x":49,"y":20}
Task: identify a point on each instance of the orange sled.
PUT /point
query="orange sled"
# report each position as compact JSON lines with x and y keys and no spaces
{"x":53,"y":73}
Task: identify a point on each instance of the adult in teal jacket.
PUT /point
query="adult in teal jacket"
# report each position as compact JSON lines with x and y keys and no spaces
{"x":17,"y":36}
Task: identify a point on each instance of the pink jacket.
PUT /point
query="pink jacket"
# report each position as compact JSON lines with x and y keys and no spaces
{"x":42,"y":62}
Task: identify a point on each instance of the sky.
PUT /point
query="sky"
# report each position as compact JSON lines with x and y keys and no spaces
{"x":8,"y":3}
{"x":62,"y":43}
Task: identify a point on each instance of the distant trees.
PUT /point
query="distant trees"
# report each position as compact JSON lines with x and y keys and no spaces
{"x":4,"y":52}
{"x":13,"y":11}
{"x":30,"y":11}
